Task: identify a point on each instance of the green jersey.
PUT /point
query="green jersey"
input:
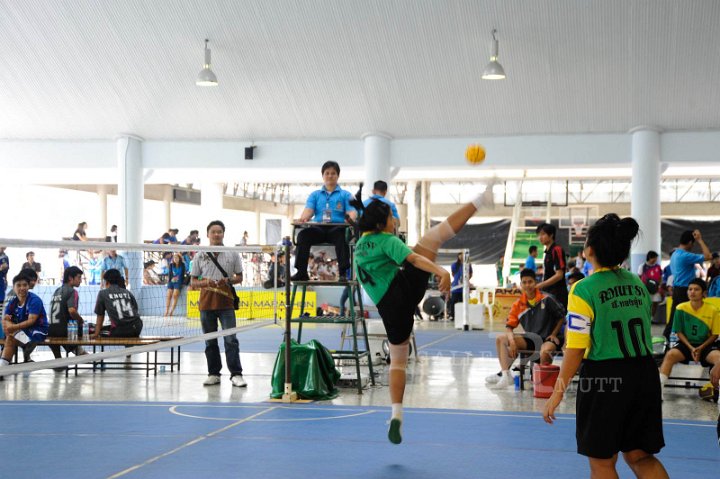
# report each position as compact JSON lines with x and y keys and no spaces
{"x":609,"y":316}
{"x":696,"y":324}
{"x":378,"y":257}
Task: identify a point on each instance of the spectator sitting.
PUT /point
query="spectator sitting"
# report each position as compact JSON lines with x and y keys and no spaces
{"x":176,"y":281}
{"x":32,"y":279}
{"x":683,"y":264}
{"x":270,"y":282}
{"x":697,"y":325}
{"x":30,"y":263}
{"x":64,"y":306}
{"x":149,"y":275}
{"x":574,"y":278}
{"x":95,"y":265}
{"x":115,"y":261}
{"x":24,"y":320}
{"x":79,"y":234}
{"x":330,"y":204}
{"x":193,"y":238}
{"x":172,"y":236}
{"x":125,"y":320}
{"x":4,"y":266}
{"x":541,"y":316}
{"x":714,"y":268}
{"x":112,"y":237}
{"x":167,"y":258}
{"x":164,"y":239}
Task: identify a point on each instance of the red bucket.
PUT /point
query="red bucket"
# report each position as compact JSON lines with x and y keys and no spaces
{"x":544,"y":377}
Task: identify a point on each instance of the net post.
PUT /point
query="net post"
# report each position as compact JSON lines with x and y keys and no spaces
{"x":289,"y":395}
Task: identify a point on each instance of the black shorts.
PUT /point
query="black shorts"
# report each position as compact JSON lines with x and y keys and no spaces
{"x":129,"y":329}
{"x":532,"y":339}
{"x":703,"y":355}
{"x":618,"y":407}
{"x":397,"y":307}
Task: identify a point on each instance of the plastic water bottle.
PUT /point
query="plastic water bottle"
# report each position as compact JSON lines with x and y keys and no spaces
{"x":673,"y":339}
{"x":72,"y":330}
{"x":86,"y":331}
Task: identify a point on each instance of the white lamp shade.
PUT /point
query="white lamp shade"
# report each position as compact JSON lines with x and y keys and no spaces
{"x":493,"y":71}
{"x":206,"y":77}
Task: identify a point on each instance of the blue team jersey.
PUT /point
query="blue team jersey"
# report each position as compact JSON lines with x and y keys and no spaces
{"x":337,"y":201}
{"x":683,"y":264}
{"x":33,"y":305}
{"x":384,"y":200}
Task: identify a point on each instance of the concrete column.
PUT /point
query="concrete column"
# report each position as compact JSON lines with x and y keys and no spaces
{"x":258,"y":225}
{"x":413,"y":214}
{"x":131,"y":191}
{"x":102,"y":191}
{"x":167,"y":204}
{"x":211,"y":201}
{"x":377,"y":160}
{"x":424,"y":207}
{"x":645,"y":195}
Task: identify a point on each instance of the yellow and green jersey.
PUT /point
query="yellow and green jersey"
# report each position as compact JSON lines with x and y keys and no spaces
{"x":609,"y":316}
{"x":696,"y":324}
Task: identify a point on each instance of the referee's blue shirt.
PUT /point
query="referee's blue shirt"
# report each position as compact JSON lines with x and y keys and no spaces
{"x":683,"y":264}
{"x":337,"y":201}
{"x":384,"y":200}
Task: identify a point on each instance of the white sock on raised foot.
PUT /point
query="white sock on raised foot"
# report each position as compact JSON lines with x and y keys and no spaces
{"x":485,"y":199}
{"x":4,"y":362}
{"x":397,"y":411}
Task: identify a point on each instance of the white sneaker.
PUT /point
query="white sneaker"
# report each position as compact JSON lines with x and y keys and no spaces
{"x":211,"y":380}
{"x":505,"y":382}
{"x":493,"y":378}
{"x":237,"y":381}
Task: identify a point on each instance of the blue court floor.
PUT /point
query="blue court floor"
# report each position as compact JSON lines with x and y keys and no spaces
{"x":267,"y":440}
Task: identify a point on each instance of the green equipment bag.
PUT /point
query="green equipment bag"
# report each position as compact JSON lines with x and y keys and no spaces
{"x":312,"y":371}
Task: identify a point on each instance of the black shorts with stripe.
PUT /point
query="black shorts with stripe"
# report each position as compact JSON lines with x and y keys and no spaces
{"x":397,"y":307}
{"x":619,"y":407}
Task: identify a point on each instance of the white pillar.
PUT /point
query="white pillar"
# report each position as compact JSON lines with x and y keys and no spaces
{"x":377,"y":160}
{"x":425,"y":213}
{"x":258,"y":225}
{"x":102,"y":201}
{"x":211,"y":201}
{"x":167,"y":204}
{"x":131,"y":193}
{"x":645,"y":197}
{"x":413,"y":214}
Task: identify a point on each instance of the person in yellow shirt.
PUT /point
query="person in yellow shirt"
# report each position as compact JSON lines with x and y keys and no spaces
{"x":697,"y":325}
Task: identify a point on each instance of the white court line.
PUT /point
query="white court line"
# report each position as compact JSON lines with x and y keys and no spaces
{"x":173,"y":410}
{"x":670,"y":422}
{"x":445,"y":338}
{"x":189,"y":443}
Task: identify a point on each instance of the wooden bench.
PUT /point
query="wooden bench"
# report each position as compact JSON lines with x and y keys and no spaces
{"x":102,"y":343}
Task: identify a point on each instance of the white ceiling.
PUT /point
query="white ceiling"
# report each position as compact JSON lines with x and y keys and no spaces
{"x":89,"y":69}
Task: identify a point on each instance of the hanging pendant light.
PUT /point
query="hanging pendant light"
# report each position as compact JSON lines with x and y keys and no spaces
{"x":493,"y":70}
{"x":206,"y":77}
